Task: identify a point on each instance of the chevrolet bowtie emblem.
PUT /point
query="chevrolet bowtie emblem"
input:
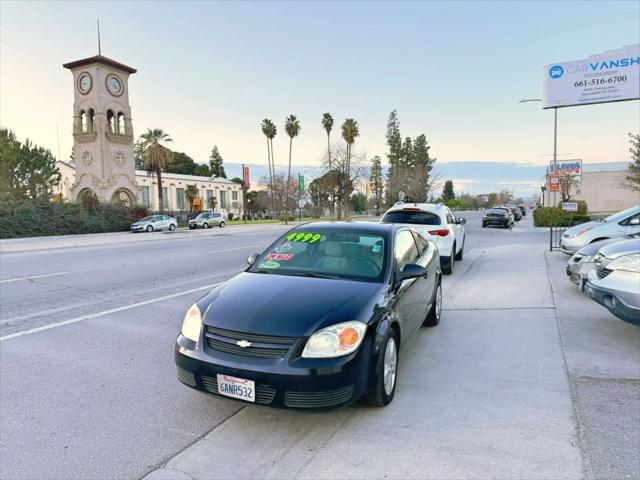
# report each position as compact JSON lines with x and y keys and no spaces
{"x":243,"y":343}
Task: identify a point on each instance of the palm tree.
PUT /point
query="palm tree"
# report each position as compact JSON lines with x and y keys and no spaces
{"x":292,"y":127}
{"x":327,"y":123}
{"x":349,"y":133}
{"x":191,"y":192}
{"x":269,"y":130}
{"x":155,"y":155}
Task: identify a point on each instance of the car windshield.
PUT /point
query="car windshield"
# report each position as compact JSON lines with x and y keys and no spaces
{"x":497,"y":211}
{"x":622,"y":215}
{"x":325,"y":253}
{"x":203,"y":215}
{"x":415,"y":217}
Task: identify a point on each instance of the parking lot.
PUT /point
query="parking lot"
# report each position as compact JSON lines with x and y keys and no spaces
{"x":525,"y":377}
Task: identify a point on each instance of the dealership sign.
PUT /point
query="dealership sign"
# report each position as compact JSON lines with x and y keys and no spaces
{"x":570,"y":206}
{"x":554,"y":182}
{"x":613,"y":76}
{"x":569,"y":167}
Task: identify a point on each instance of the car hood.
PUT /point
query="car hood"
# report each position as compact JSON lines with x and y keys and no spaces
{"x":273,"y":304}
{"x":592,"y":248}
{"x":620,"y":248}
{"x":573,"y":230}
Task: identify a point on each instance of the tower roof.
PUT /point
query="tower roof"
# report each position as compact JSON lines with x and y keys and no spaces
{"x":99,"y":59}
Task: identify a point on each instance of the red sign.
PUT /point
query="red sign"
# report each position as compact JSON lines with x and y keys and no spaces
{"x":245,"y":177}
{"x":554,"y":182}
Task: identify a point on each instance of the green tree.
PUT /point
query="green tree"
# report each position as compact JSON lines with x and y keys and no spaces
{"x":327,"y":124}
{"x":376,"y":181}
{"x":350,"y":131}
{"x":215,"y":163}
{"x":447,"y":192}
{"x":191,"y":193}
{"x":359,"y":202}
{"x":26,"y":170}
{"x":155,"y":155}
{"x":633,"y":174}
{"x":394,"y":140}
{"x":407,"y":153}
{"x":185,"y":165}
{"x":269,"y":130}
{"x":292,"y":127}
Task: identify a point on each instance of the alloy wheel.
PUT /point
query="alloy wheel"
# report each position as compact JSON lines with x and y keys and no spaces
{"x":390,"y":366}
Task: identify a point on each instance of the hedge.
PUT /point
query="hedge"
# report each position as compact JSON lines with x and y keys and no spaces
{"x":33,"y":218}
{"x":555,"y":216}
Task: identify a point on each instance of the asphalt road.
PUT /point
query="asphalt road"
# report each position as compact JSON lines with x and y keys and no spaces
{"x":88,"y":387}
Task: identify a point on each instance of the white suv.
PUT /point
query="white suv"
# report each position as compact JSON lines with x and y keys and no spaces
{"x":436,"y":223}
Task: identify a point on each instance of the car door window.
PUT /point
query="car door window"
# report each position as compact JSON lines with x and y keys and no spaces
{"x":405,"y":250}
{"x":627,"y":221}
{"x":450,"y":218}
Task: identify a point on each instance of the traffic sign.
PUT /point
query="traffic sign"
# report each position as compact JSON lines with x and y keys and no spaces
{"x":301,"y":183}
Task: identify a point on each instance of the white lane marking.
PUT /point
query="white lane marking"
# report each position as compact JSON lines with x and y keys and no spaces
{"x":103,"y":313}
{"x":42,"y":313}
{"x":232,"y":249}
{"x":33,"y":276}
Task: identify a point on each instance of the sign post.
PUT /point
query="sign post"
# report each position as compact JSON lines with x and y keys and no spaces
{"x":301,"y":191}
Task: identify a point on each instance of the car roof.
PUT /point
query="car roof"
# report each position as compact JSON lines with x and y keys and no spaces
{"x":427,"y":207}
{"x":361,"y":226}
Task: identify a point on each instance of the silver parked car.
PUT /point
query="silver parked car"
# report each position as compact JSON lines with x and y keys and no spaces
{"x":582,"y":262}
{"x":617,"y":225}
{"x":206,"y":220}
{"x":155,"y":222}
{"x":615,"y":282}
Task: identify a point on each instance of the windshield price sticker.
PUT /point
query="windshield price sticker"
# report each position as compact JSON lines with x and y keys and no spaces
{"x":279,"y":256}
{"x":304,"y":237}
{"x":269,"y":264}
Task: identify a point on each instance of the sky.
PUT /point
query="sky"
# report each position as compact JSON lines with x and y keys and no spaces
{"x":209,"y":72}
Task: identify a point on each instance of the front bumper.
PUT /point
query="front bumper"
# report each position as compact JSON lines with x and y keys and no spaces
{"x":285,"y":382}
{"x":616,"y":301}
{"x":137,"y":228}
{"x":489,"y":222}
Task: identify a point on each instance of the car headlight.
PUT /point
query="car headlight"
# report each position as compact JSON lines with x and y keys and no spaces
{"x":192,"y":323}
{"x":335,"y":341}
{"x":627,"y":263}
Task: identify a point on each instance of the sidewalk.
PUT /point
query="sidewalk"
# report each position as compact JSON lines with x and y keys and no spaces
{"x":13,"y":245}
{"x":483,"y":395}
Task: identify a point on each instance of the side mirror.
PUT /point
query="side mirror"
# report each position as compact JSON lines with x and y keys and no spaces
{"x":251,"y":259}
{"x":411,"y":270}
{"x":634,"y":221}
{"x":153,"y":220}
{"x":461,"y":221}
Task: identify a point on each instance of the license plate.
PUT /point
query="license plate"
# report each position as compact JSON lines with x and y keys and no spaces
{"x":237,"y":388}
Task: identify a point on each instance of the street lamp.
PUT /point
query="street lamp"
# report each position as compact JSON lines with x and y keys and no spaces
{"x":555,"y":138}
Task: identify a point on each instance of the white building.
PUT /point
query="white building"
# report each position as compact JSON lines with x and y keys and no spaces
{"x":227,"y":194}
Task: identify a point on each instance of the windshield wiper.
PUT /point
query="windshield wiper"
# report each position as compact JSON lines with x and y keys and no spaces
{"x":319,"y":275}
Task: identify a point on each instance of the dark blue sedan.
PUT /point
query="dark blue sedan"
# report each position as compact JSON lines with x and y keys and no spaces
{"x":317,"y":320}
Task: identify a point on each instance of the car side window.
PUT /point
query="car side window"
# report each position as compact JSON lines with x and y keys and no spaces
{"x":450,"y":218}
{"x":627,"y":221}
{"x":405,"y":250}
{"x":423,"y":244}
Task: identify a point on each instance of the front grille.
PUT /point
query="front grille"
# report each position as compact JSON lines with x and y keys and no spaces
{"x":186,"y":377}
{"x":264,"y":394}
{"x":262,"y":346}
{"x":602,"y":272}
{"x":318,"y":399}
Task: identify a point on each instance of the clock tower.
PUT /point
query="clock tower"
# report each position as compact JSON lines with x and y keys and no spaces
{"x":102,"y":131}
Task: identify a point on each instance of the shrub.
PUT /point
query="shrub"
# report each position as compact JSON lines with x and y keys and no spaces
{"x":556,"y":217}
{"x":42,"y":218}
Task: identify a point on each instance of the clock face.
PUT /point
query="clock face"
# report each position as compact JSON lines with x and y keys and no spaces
{"x":84,"y":83}
{"x":114,"y":85}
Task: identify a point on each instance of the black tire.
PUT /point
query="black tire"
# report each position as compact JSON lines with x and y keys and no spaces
{"x":205,"y":225}
{"x":379,"y":396}
{"x":433,"y":317}
{"x":149,"y":228}
{"x":172,"y":227}
{"x":484,"y":225}
{"x":221,"y":224}
{"x":460,"y":254}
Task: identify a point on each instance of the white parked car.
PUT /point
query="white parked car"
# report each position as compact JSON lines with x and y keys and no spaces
{"x":154,"y":222}
{"x":626,"y":222}
{"x":436,"y":223}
